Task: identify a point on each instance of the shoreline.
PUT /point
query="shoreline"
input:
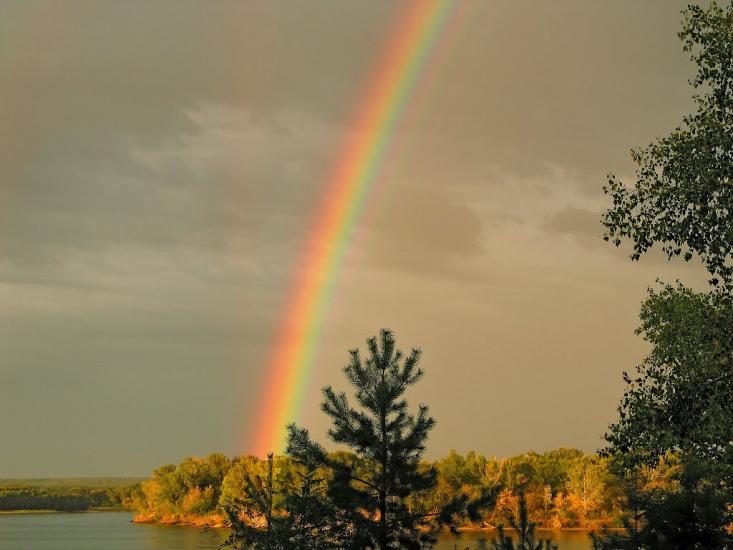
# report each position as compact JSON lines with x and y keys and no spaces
{"x":213,"y":521}
{"x":28,"y":512}
{"x":217,"y":522}
{"x":50,"y":511}
{"x":544,"y":529}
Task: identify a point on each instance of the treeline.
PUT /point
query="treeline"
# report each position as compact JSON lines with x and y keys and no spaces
{"x":65,"y":498}
{"x":70,"y":482}
{"x":563,"y":488}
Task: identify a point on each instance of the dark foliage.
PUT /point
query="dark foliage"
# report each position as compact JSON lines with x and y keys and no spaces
{"x":62,"y":499}
{"x":371,"y":495}
{"x":683,"y":195}
{"x":681,"y":399}
{"x":691,"y":516}
{"x":679,"y":406}
{"x":304,"y":519}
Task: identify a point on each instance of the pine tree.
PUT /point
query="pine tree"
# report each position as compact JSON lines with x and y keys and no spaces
{"x":302,"y":518}
{"x":370,"y":491}
{"x":244,"y":515}
{"x":309,"y":521}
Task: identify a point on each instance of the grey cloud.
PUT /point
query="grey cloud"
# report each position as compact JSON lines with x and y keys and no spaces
{"x":160,"y":163}
{"x":425,"y":231}
{"x":574,"y":221}
{"x":229,"y":187}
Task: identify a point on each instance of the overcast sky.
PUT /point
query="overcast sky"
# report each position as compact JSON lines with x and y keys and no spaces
{"x":160,"y":163}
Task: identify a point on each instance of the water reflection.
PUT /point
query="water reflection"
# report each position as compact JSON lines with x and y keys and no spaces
{"x":113,"y":531}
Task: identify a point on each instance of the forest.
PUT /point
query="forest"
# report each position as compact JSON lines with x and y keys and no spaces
{"x":67,"y":495}
{"x":564,"y":488}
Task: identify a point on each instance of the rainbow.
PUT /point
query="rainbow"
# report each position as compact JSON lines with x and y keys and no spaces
{"x":358,"y":167}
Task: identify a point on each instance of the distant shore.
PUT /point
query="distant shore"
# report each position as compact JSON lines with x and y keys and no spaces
{"x":23,"y":512}
{"x":49,"y":511}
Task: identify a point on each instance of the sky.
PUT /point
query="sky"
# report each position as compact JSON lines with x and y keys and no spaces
{"x":161,"y":164}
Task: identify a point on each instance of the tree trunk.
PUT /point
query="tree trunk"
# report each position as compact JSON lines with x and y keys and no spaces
{"x":269,"y":500}
{"x":383,"y":527}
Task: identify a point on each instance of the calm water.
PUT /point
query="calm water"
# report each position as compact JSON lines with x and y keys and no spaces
{"x":113,"y":531}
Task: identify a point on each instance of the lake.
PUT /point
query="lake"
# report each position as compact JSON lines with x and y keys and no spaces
{"x":113,"y":531}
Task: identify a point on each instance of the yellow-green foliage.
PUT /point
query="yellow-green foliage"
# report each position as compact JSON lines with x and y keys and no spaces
{"x":563,"y":487}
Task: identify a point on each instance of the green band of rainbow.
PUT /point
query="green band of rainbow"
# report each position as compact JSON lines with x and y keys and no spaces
{"x":394,"y":81}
